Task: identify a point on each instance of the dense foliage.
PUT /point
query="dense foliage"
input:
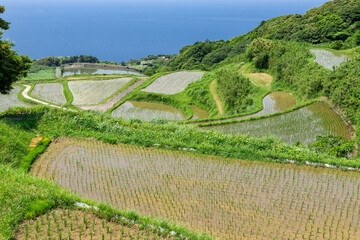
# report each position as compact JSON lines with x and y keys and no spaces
{"x":334,"y":21}
{"x":57,"y":61}
{"x":12,"y":66}
{"x":235,"y":90}
{"x":332,"y":145}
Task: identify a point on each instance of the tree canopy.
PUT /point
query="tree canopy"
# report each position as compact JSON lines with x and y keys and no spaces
{"x":12,"y":65}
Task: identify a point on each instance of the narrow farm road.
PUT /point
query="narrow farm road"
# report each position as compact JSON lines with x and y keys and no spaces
{"x":107,"y":105}
{"x":25,"y":94}
{"x":216,"y":97}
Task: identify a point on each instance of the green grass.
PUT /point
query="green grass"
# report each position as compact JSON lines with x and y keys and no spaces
{"x":35,"y":153}
{"x":41,"y":72}
{"x":55,"y":123}
{"x":15,"y":138}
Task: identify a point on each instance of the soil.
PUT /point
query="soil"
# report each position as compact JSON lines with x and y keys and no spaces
{"x":216,"y":97}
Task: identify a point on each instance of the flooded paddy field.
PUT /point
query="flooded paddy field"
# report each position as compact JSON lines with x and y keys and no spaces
{"x":94,"y":92}
{"x":173,"y":83}
{"x":301,"y":125}
{"x":199,"y":113}
{"x":329,"y":59}
{"x":274,"y":102}
{"x":11,"y":100}
{"x":92,"y":70}
{"x":147,"y":111}
{"x":227,"y":198}
{"x":50,"y":92}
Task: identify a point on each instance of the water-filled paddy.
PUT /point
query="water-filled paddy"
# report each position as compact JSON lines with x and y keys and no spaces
{"x":147,"y":111}
{"x":11,"y":100}
{"x":199,"y":113}
{"x":173,"y":83}
{"x":226,"y":198}
{"x":93,"y":92}
{"x":88,"y":70}
{"x":275,"y":102}
{"x":329,"y":59}
{"x":50,"y":92}
{"x":301,"y":125}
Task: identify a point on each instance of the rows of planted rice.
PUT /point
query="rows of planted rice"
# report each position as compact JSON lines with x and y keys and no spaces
{"x":147,"y":111}
{"x":301,"y":125}
{"x":50,"y":92}
{"x":94,"y":92}
{"x":173,"y":82}
{"x":80,"y":224}
{"x":229,"y":199}
{"x":328,"y":59}
{"x":11,"y":100}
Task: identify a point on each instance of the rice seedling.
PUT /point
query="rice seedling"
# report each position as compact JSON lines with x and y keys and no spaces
{"x":37,"y":229}
{"x":301,"y":125}
{"x":226,"y":198}
{"x":94,"y":92}
{"x":173,"y":82}
{"x":147,"y":111}
{"x":11,"y":100}
{"x":50,"y":92}
{"x":329,"y":59}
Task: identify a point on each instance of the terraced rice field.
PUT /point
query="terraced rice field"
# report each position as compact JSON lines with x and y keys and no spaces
{"x":147,"y":111}
{"x":229,"y":199}
{"x":301,"y":125}
{"x":329,"y":59}
{"x":50,"y":92}
{"x":94,"y":92}
{"x":77,"y":224}
{"x":87,"y":70}
{"x":273,"y":103}
{"x":11,"y":100}
{"x":199,"y":113}
{"x":173,"y":83}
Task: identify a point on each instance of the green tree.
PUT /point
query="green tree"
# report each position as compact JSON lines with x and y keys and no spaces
{"x":12,"y":66}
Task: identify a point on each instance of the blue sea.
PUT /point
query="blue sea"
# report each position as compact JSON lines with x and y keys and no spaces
{"x":120,"y":30}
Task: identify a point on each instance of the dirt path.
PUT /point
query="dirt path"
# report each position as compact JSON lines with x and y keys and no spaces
{"x":107,"y":105}
{"x":216,"y":97}
{"x":25,"y":95}
{"x":263,"y":80}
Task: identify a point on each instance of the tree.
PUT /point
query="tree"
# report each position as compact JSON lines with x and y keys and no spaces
{"x":12,"y":66}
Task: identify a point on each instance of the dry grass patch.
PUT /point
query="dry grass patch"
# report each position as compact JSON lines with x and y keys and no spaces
{"x":80,"y":224}
{"x":216,"y":97}
{"x":262,"y":80}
